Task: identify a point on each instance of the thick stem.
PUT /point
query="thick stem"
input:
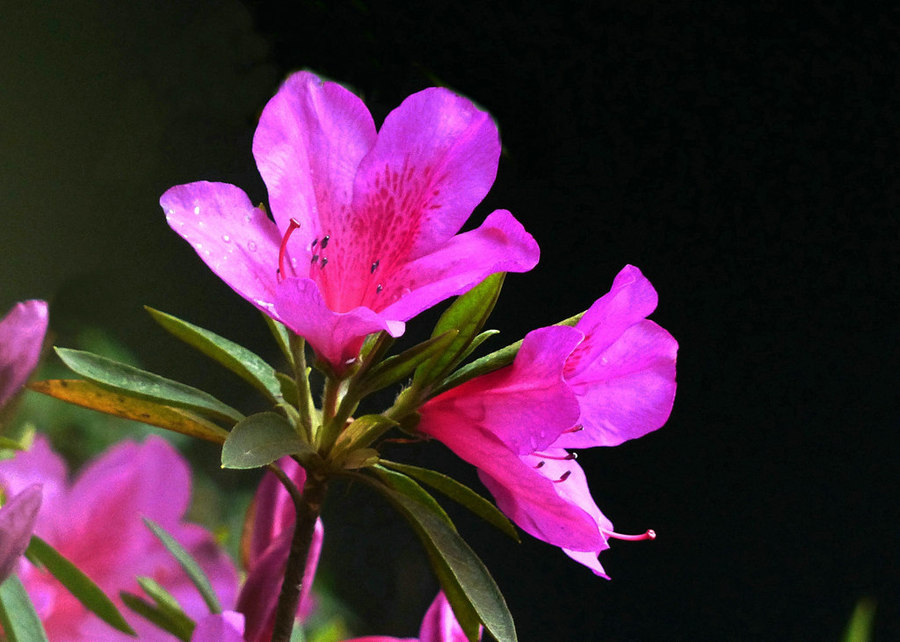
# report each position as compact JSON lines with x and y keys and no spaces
{"x":308,"y":505}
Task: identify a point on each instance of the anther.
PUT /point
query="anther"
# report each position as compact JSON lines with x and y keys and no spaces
{"x":315,"y":257}
{"x":379,"y":289}
{"x":280,"y":272}
{"x":374,"y":267}
{"x":324,"y":261}
{"x":540,"y":464}
{"x":315,"y":240}
{"x":577,"y":428}
{"x":325,"y":240}
{"x":563,"y":477}
{"x":650,"y":534}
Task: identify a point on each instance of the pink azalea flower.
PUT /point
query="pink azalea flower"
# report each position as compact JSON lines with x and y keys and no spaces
{"x":17,"y":519}
{"x":617,"y":375}
{"x":267,"y":544}
{"x":377,"y":214}
{"x":439,"y":625}
{"x":22,"y":333}
{"x":227,"y":626}
{"x":96,"y":523}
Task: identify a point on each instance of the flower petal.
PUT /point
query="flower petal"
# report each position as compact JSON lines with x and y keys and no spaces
{"x":335,"y":336}
{"x":17,"y":518}
{"x":236,"y":240}
{"x":22,"y":333}
{"x":310,"y":140}
{"x":629,"y":301}
{"x":440,"y":624}
{"x":628,"y":390}
{"x":526,"y":406}
{"x":227,"y":626}
{"x":500,"y":244}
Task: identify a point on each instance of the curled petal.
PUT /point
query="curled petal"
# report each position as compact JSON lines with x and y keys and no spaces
{"x":17,"y":518}
{"x":439,"y":623}
{"x":22,"y":333}
{"x":236,"y":240}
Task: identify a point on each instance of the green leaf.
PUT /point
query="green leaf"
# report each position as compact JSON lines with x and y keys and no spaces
{"x":364,"y":430}
{"x":77,"y":583}
{"x":191,"y":568}
{"x":459,"y":493}
{"x":259,"y":440}
{"x":288,"y":388}
{"x":490,"y":362}
{"x":861,"y":624}
{"x":466,"y":581}
{"x":397,"y":368}
{"x":408,"y":487}
{"x":17,"y":615}
{"x":282,"y":337}
{"x":236,"y":358}
{"x":138,"y":383}
{"x":166,"y":613}
{"x":89,"y":395}
{"x":467,"y":315}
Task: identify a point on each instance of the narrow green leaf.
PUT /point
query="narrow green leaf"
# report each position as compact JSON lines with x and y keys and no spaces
{"x":490,"y":362}
{"x":11,"y":444}
{"x":189,"y":564}
{"x":282,"y":337}
{"x":145,"y":385}
{"x":468,"y":314}
{"x":78,"y":584}
{"x":409,"y":488}
{"x":288,"y":388}
{"x":236,"y":358}
{"x":862,"y":622}
{"x":17,"y":615}
{"x":477,"y":341}
{"x":397,"y":368}
{"x":159,"y":616}
{"x":364,"y":430}
{"x":459,"y":493}
{"x":89,"y":395}
{"x":259,"y":440}
{"x":463,"y":575}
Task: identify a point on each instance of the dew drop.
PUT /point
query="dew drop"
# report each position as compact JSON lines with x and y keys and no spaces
{"x":248,"y":219}
{"x":196,"y":209}
{"x":226,"y":238}
{"x":170,"y":212}
{"x":251,"y":246}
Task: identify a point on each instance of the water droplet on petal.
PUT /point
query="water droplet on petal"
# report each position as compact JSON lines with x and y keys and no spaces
{"x":170,"y":212}
{"x":226,"y":238}
{"x":197,"y":209}
{"x":251,"y":246}
{"x":248,"y":219}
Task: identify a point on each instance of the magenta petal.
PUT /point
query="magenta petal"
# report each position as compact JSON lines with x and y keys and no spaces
{"x":39,"y":465}
{"x":628,"y":391}
{"x":435,"y":159}
{"x":440,"y":624}
{"x":22,"y":333}
{"x":500,"y":244}
{"x":227,"y":626}
{"x":310,"y":140}
{"x":629,"y":301}
{"x":526,"y":405}
{"x":17,"y":518}
{"x":273,"y":509}
{"x":335,"y":336}
{"x":236,"y":240}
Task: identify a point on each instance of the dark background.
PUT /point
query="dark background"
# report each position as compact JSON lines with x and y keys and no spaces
{"x":745,"y":159}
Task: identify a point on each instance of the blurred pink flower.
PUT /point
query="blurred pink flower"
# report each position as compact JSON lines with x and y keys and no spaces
{"x":17,"y":517}
{"x":377,"y":214}
{"x":22,"y":333}
{"x":438,"y":625}
{"x":608,"y":379}
{"x":227,"y":626}
{"x":266,"y":545}
{"x":96,"y":523}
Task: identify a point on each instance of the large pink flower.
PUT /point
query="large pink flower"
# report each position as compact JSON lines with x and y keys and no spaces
{"x":22,"y":332}
{"x":608,"y":379}
{"x":378,"y":213}
{"x":96,"y":523}
{"x":267,"y":544}
{"x":438,"y":625}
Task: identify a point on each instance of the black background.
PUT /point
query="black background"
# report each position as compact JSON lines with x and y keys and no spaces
{"x":744,"y":158}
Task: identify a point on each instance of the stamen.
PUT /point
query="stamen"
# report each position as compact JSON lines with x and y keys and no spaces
{"x":563,"y":477}
{"x":315,"y":240}
{"x":374,"y":267}
{"x":293,"y":225}
{"x":577,"y":428}
{"x":540,"y":464}
{"x":379,"y":289}
{"x":650,"y":534}
{"x":325,"y":240}
{"x":566,"y":457}
{"x":324,"y":261}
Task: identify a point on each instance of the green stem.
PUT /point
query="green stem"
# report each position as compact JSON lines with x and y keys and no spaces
{"x":301,"y":377}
